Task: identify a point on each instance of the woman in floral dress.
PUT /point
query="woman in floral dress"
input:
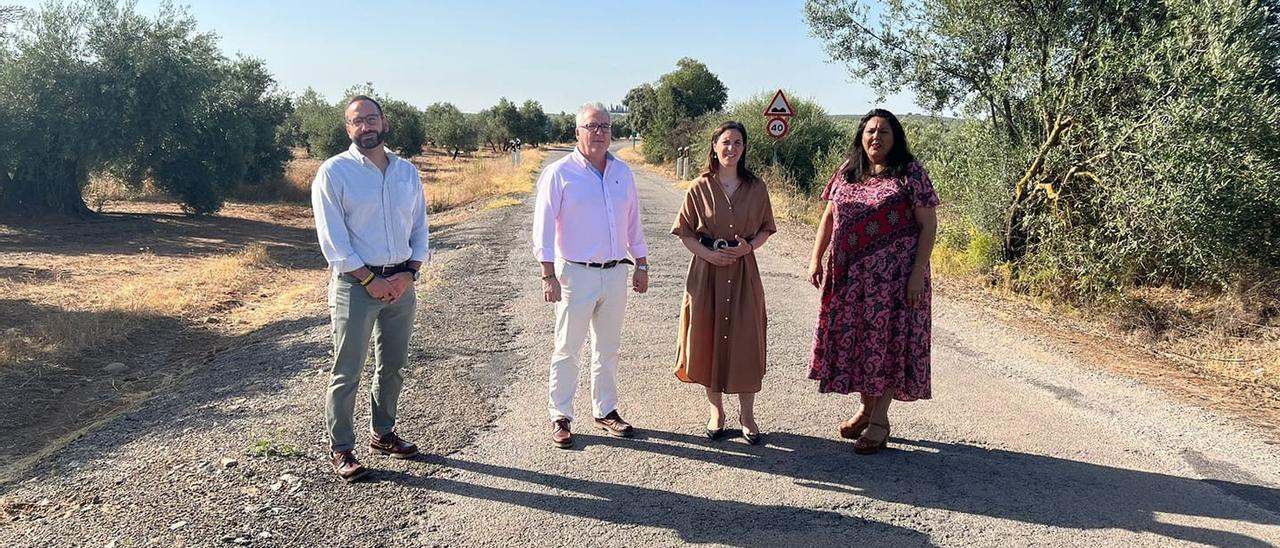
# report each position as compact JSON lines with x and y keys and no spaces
{"x":874,"y":322}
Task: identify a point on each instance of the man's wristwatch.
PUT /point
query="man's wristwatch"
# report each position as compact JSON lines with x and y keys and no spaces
{"x":414,"y":272}
{"x":642,"y":267}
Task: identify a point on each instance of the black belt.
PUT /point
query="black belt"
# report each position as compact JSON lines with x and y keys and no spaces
{"x":385,"y":271}
{"x":609,"y":264}
{"x":717,"y":243}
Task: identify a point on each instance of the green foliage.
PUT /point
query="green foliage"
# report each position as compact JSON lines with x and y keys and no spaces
{"x":693,"y":88}
{"x":533,"y":124}
{"x":451,"y":129}
{"x":267,"y":447}
{"x":320,"y":125}
{"x":96,"y":87}
{"x":407,"y":134}
{"x":814,"y":139}
{"x":499,"y":124}
{"x":506,"y":121}
{"x":641,"y":103}
{"x":1115,"y":143}
{"x":667,"y":114}
{"x":621,"y":123}
{"x":562,"y":128}
{"x":971,"y":173}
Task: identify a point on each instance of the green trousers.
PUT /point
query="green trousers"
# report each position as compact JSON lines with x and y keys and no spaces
{"x":357,"y":317}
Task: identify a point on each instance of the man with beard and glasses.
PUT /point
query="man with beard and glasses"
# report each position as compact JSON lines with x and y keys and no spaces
{"x":371,"y":217}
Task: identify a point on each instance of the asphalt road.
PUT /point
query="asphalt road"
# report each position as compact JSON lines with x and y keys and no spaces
{"x":1020,"y":445}
{"x":1023,"y":444}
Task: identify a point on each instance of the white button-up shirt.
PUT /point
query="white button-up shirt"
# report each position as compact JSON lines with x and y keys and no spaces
{"x":364,"y":217}
{"x":586,"y":216}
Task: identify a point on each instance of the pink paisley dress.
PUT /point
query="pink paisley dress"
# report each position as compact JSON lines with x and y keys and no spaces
{"x":867,"y":337}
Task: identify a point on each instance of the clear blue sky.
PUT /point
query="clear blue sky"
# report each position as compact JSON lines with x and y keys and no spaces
{"x":559,"y":53}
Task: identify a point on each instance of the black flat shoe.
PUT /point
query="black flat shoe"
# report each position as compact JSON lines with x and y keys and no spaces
{"x":715,"y":434}
{"x":753,"y":438}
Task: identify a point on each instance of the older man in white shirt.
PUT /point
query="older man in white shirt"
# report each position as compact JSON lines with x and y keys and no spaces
{"x":586,"y":228}
{"x":371,"y":218}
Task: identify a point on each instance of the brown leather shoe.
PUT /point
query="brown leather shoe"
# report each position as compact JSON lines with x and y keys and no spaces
{"x":347,"y":467}
{"x":614,"y":425}
{"x":393,"y":446}
{"x":560,"y":435}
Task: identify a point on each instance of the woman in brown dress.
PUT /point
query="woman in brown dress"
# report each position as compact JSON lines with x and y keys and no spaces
{"x":721,"y":343}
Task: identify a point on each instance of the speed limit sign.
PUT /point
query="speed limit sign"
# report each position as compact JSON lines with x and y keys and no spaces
{"x":777,"y":127}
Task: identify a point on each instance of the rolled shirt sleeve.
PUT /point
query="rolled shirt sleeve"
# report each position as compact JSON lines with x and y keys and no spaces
{"x":331,"y":229}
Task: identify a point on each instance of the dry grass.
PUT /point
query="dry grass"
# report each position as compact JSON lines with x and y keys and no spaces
{"x":106,"y":307}
{"x":294,"y":186}
{"x":1235,"y":335}
{"x":103,"y":190}
{"x":504,"y":201}
{"x":789,"y":203}
{"x":91,"y":298}
{"x":485,"y":176}
{"x":634,"y":158}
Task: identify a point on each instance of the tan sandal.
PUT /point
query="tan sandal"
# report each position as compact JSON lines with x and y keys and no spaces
{"x":865,"y":445}
{"x":851,"y":428}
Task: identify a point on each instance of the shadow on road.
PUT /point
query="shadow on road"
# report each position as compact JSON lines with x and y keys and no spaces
{"x":956,"y":477}
{"x":694,"y":519}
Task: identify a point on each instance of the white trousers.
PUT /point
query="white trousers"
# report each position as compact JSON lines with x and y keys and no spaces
{"x":591,"y":300}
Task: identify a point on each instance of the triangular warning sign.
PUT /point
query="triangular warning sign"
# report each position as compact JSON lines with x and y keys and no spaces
{"x":779,"y":106}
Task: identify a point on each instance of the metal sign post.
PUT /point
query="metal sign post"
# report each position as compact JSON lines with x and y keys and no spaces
{"x":776,"y":114}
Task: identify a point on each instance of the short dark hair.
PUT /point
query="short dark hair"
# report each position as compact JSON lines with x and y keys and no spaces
{"x":365,"y":98}
{"x":899,"y":156}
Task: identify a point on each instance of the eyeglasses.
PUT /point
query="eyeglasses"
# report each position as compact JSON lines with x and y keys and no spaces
{"x":370,"y":120}
{"x":593,"y":128}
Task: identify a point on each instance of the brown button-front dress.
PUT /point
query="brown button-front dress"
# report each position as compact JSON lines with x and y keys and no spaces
{"x":721,"y":343}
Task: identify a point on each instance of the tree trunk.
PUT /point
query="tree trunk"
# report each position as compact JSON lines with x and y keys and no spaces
{"x":54,"y":190}
{"x":1015,"y":231}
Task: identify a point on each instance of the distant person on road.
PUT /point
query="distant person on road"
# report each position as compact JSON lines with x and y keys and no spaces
{"x":721,"y":343}
{"x":873,"y":332}
{"x":586,"y":229}
{"x":371,"y":218}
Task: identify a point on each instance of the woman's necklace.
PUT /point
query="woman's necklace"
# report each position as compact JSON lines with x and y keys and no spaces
{"x":729,"y":188}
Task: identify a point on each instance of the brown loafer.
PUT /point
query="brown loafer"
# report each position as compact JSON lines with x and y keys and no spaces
{"x":614,"y":425}
{"x":347,"y":467}
{"x":393,"y":446}
{"x":560,"y":435}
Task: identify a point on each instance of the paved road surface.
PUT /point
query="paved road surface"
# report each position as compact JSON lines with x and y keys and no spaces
{"x":1022,"y":444}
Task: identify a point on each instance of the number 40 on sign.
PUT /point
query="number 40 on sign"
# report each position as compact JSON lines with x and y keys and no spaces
{"x":777,"y":112}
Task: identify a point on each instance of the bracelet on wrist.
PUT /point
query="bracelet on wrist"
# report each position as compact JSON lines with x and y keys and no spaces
{"x":367,"y":280}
